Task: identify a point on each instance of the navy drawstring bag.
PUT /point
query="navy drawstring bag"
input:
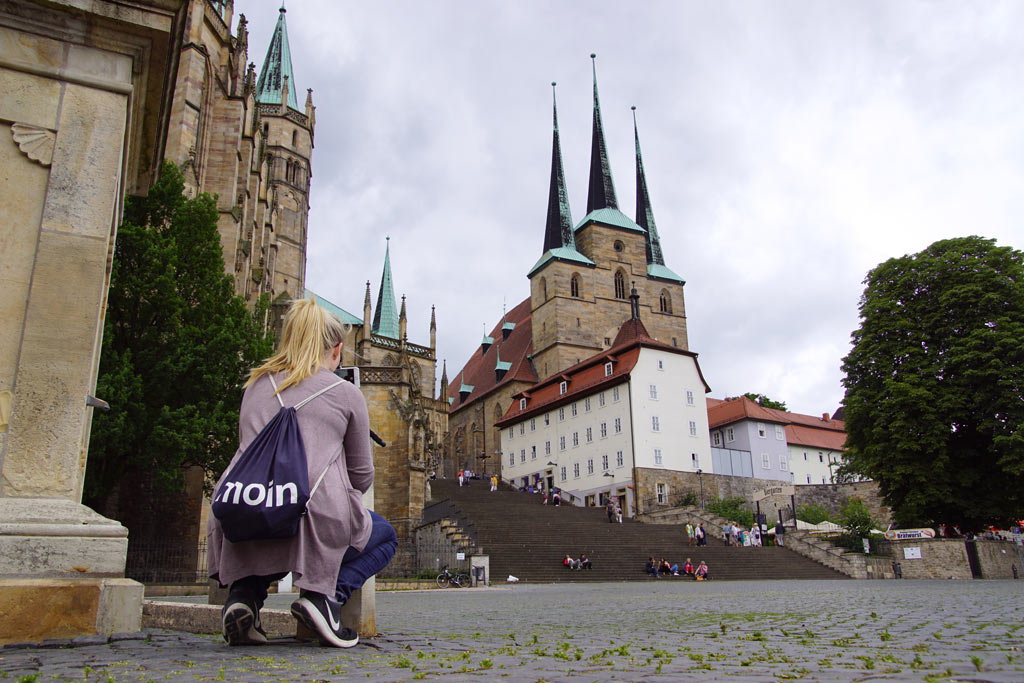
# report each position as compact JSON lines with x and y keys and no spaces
{"x":264,"y":496}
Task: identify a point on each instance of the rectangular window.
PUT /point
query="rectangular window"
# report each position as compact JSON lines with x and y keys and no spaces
{"x":563,"y":473}
{"x":576,"y":470}
{"x":694,"y":461}
{"x":607,"y":369}
{"x":823,"y":480}
{"x":761,"y":431}
{"x":511,"y":458}
{"x":780,"y":433}
{"x":522,"y":428}
{"x":730,"y":436}
{"x":808,"y":479}
{"x":717,"y":438}
{"x":805,"y":456}
{"x":661,"y":492}
{"x":562,"y":387}
{"x":655,"y":424}
{"x":657,"y":456}
{"x":590,"y":434}
{"x":547,"y":448}
{"x":765,"y":462}
{"x":600,"y":400}
{"x":511,"y":433}
{"x":783,"y":465}
{"x":820,"y":457}
{"x":661,"y":364}
{"x":533,"y":452}
{"x":654,"y":391}
{"x":561,"y":414}
{"x":561,"y":443}
{"x":547,"y":419}
{"x":533,"y":424}
{"x":590,"y":465}
{"x":693,"y":428}
{"x":575,"y":439}
{"x":618,"y":458}
{"x":604,"y":429}
{"x":689,"y":397}
{"x":522,"y":404}
{"x":573,"y":407}
{"x":615,"y":394}
{"x":618,"y":425}
{"x":604,"y":463}
{"x":522,"y":455}
{"x":586,"y":405}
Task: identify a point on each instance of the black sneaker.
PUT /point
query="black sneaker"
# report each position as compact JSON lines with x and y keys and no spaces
{"x":323,"y":615}
{"x":240,"y":623}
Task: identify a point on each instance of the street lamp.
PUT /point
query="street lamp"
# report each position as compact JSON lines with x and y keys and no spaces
{"x":701,"y":480}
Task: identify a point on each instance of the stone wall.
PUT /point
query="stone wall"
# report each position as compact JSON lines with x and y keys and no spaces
{"x":996,"y":559}
{"x":680,"y":483}
{"x":940,"y":558}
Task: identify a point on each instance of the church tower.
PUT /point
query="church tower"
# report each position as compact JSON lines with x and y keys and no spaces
{"x":579,"y":288}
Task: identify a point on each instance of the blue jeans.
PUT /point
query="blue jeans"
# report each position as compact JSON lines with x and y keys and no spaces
{"x":357,"y":567}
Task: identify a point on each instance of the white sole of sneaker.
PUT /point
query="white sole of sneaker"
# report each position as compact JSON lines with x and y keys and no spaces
{"x":308,"y":614}
{"x":238,"y":624}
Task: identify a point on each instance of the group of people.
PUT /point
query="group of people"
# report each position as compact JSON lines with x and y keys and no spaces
{"x":695,"y":535}
{"x":578,"y":564}
{"x":466,"y":475}
{"x":699,"y":572}
{"x":738,"y":536}
{"x":614,"y":510}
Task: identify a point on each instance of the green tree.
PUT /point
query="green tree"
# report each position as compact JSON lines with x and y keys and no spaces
{"x":856,"y":519}
{"x":765,"y":402}
{"x":935,"y":385}
{"x":733,"y":509}
{"x":812,"y":513}
{"x":176,"y":346}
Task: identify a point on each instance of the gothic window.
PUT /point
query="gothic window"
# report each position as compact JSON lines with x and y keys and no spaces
{"x":389,"y":360}
{"x":574,"y":286}
{"x":620,"y":285}
{"x":295,"y":139}
{"x":543,"y":289}
{"x":665,"y":303}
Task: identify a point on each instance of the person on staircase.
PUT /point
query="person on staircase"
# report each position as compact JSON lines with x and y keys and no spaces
{"x":702,"y":572}
{"x":609,"y":508}
{"x":584,"y":562}
{"x":651,"y":568}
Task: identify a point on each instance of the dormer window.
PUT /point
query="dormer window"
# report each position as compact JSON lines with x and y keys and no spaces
{"x":522,"y":404}
{"x":608,"y":369}
{"x":563,"y":387}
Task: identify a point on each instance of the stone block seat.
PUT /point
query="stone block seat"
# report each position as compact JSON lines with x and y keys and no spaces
{"x":527,"y":539}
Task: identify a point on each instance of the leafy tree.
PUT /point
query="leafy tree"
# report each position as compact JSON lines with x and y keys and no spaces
{"x":733,"y":509}
{"x":813,"y":513}
{"x":935,"y":385}
{"x":765,"y":402}
{"x":176,"y":346}
{"x":856,"y":519}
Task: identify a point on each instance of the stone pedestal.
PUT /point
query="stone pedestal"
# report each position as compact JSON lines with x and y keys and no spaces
{"x":80,"y":112}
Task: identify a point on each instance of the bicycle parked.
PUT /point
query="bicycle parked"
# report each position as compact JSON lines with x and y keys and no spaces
{"x":447,"y":578}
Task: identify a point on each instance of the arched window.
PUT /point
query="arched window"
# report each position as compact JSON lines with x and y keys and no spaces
{"x":543,"y":289}
{"x":574,"y":286}
{"x":665,"y":302}
{"x":295,"y":139}
{"x":620,"y":285}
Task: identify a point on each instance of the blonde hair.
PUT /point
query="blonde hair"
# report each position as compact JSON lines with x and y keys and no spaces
{"x":310,"y":332}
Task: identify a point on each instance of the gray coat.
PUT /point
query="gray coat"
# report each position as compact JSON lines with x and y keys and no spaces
{"x":336,"y":432}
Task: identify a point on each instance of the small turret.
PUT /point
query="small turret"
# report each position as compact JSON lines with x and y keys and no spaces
{"x":310,"y":111}
{"x":444,"y":383}
{"x":366,"y":313}
{"x":402,"y":323}
{"x":433,"y":330}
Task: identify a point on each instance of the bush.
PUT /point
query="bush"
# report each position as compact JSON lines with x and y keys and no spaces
{"x":812,"y":513}
{"x":689,"y":499}
{"x":855,"y":518}
{"x":733,"y":509}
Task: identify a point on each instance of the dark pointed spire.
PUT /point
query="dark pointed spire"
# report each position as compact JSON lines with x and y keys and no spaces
{"x":644,"y":212}
{"x":277,"y":68}
{"x":602,"y":191}
{"x":558,"y":231}
{"x":385,"y":317}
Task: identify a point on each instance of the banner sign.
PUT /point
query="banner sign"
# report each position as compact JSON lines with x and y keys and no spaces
{"x":780,"y":490}
{"x":912,"y":553}
{"x":909,"y":534}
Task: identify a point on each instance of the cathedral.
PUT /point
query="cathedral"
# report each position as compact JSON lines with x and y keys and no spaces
{"x":580,"y":297}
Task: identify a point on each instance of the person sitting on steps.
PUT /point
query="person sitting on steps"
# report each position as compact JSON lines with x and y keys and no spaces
{"x":702,"y":572}
{"x":584,"y":562}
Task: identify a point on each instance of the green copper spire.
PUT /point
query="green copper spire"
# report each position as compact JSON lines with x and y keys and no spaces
{"x":644,"y":212}
{"x":558,"y":231}
{"x":385,"y":317}
{"x":276,"y":67}
{"x":602,"y":191}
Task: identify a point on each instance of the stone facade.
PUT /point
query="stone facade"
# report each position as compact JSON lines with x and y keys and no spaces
{"x":84,"y":114}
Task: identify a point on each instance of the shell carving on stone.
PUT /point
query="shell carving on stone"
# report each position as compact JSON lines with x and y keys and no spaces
{"x":34,"y":142}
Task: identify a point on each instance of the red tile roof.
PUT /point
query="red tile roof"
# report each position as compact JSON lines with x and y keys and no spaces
{"x":479,"y":369}
{"x":588,"y":376}
{"x":804,"y":430}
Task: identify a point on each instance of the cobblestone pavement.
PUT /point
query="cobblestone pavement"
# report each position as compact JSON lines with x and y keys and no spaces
{"x":664,"y":630}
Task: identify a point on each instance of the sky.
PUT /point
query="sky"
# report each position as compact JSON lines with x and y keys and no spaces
{"x":789,"y":148}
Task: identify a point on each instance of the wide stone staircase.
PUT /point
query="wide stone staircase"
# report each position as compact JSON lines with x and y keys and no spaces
{"x":527,"y":539}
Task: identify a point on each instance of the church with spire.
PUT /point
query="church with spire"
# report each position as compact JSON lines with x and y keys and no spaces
{"x":241,"y":135}
{"x":592,"y":277}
